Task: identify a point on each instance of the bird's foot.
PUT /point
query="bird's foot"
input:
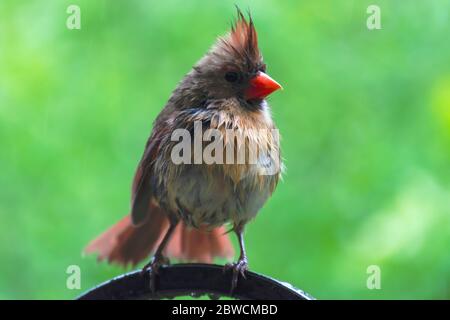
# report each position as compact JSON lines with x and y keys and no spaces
{"x":153,"y":269}
{"x":238,"y":268}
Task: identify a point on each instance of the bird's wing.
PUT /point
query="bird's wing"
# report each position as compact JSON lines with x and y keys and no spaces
{"x":141,"y":191}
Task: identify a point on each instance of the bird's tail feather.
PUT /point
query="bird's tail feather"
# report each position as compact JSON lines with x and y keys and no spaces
{"x":199,"y":245}
{"x":125,"y":244}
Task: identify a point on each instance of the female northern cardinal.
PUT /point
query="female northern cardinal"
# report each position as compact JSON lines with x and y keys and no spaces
{"x":180,"y":209}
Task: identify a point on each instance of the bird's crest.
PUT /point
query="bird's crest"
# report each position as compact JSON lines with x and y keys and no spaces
{"x":242,"y":40}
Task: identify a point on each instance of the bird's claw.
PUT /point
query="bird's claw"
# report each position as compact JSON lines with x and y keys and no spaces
{"x":238,"y":268}
{"x":153,"y":269}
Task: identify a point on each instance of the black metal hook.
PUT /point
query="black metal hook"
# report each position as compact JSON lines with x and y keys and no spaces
{"x":194,"y":280}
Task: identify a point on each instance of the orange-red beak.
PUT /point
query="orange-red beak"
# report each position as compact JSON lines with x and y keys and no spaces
{"x":261,"y":86}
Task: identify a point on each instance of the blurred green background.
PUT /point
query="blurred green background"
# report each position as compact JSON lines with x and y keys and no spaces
{"x":365,"y":120}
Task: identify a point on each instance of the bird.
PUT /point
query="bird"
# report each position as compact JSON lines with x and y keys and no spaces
{"x":181,"y":210}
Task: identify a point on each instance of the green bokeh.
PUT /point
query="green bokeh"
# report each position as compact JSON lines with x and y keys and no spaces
{"x":365,"y":121}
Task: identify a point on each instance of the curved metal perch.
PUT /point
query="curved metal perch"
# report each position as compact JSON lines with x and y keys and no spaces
{"x":194,"y":280}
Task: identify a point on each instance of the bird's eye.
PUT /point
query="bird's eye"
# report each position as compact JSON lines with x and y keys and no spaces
{"x":231,"y":76}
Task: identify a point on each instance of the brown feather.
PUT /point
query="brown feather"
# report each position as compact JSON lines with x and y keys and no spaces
{"x":125,"y":244}
{"x":242,"y":41}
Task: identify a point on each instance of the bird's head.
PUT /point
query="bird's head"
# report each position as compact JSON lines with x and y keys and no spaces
{"x":234,"y":67}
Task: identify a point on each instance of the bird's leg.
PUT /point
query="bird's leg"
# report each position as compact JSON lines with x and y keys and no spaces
{"x":159,"y":259}
{"x":241,"y":265}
